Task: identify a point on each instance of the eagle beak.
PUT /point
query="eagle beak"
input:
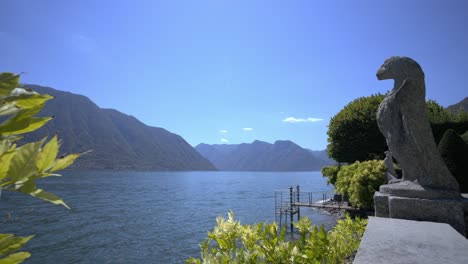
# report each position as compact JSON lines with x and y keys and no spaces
{"x":381,"y":73}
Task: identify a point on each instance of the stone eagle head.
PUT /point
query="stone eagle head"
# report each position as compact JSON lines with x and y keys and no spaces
{"x":400,"y":68}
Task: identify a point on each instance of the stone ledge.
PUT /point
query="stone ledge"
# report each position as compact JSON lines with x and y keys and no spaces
{"x":414,"y":190}
{"x":388,"y":240}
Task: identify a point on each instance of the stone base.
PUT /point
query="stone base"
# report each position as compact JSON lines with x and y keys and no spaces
{"x":408,"y":200}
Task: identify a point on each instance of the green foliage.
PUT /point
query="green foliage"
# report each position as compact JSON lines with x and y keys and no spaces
{"x":360,"y":180}
{"x":231,"y":242}
{"x":465,"y":137}
{"x":436,"y":113}
{"x":20,"y":166}
{"x":331,"y":172}
{"x":438,"y":129}
{"x":454,"y":151}
{"x":353,"y":134}
{"x":441,"y":120}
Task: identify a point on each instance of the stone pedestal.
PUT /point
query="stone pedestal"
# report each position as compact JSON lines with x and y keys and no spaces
{"x":409,"y":200}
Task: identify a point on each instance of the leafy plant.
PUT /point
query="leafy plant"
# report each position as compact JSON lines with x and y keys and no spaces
{"x":360,"y":180}
{"x":20,"y":166}
{"x":231,"y":242}
{"x":331,"y":172}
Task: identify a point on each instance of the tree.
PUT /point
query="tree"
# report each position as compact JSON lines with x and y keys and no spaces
{"x":436,"y":113}
{"x":353,"y":134}
{"x":454,"y":151}
{"x":20,"y":166}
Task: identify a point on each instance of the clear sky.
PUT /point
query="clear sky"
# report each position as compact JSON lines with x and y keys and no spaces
{"x":233,"y":71}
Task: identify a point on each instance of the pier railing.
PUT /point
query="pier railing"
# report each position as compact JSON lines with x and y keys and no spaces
{"x":288,"y":202}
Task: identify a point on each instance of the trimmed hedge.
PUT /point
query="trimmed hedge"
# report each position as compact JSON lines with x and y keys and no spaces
{"x":454,"y":151}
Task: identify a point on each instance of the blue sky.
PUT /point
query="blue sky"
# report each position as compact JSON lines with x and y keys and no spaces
{"x":233,"y":71}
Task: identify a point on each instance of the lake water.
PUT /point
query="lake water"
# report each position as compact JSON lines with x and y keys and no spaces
{"x":143,"y":217}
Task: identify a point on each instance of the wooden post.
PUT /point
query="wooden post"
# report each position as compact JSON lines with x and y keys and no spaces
{"x":291,"y":211}
{"x":298,"y":207}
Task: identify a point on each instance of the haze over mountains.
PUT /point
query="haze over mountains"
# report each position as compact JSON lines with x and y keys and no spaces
{"x":463,"y":104}
{"x":117,"y":140}
{"x":283,"y":155}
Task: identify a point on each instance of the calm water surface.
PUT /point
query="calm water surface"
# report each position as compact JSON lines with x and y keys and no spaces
{"x":143,"y":217}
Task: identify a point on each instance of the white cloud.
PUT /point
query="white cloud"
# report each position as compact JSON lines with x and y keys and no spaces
{"x":302,"y":120}
{"x":224,"y":140}
{"x":247,"y":129}
{"x":83,"y":43}
{"x":223,"y":131}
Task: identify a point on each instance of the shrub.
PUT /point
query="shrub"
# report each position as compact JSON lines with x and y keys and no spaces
{"x":454,"y":151}
{"x":465,"y":137}
{"x":353,"y":134}
{"x":360,"y":180}
{"x":231,"y":242}
{"x":331,"y":172}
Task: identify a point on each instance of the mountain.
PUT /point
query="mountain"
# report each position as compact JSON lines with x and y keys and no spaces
{"x":283,"y":155}
{"x":456,"y":107}
{"x":322,"y":154}
{"x":117,"y":140}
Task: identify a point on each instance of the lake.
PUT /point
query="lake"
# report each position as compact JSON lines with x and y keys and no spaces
{"x":143,"y":217}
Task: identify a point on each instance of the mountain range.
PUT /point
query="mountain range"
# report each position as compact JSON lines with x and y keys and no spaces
{"x":463,"y":104}
{"x":283,"y":155}
{"x":116,"y":140}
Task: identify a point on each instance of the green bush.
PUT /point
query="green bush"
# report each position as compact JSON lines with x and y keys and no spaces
{"x":438,"y":129}
{"x":231,"y":242}
{"x":20,"y":166}
{"x":360,"y":180}
{"x":353,"y":134}
{"x":465,"y":137}
{"x":331,"y":172}
{"x":454,"y":151}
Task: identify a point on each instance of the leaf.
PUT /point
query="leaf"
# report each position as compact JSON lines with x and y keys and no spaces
{"x":12,"y":243}
{"x":47,"y":155}
{"x":15,"y":258}
{"x":28,"y":187}
{"x":23,"y":164}
{"x":8,"y":82}
{"x":64,"y":162}
{"x":49,"y":197}
{"x":8,"y":109}
{"x":15,"y":126}
{"x":5,"y":161}
{"x":27,"y":101}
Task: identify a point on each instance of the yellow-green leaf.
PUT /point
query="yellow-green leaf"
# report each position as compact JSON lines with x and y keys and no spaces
{"x":12,"y":243}
{"x":23,"y":164}
{"x":8,"y":82}
{"x":8,"y":108}
{"x":5,"y":161}
{"x":15,"y":258}
{"x":27,"y":187}
{"x":22,"y":126}
{"x":64,"y":162}
{"x":26,"y":101}
{"x":49,"y":197}
{"x":45,"y":158}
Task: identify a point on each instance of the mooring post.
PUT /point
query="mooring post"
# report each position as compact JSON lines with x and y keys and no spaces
{"x":291,"y":203}
{"x":298,"y":201}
